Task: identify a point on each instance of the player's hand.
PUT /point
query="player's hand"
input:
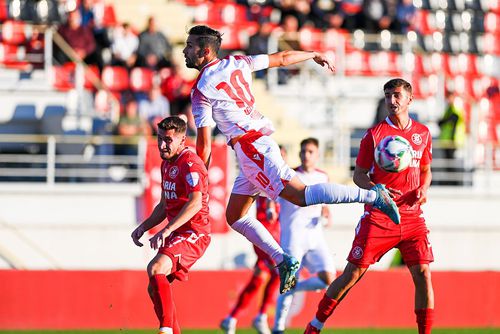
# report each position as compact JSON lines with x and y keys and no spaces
{"x":137,"y":234}
{"x":421,"y":195}
{"x":322,"y":60}
{"x":394,"y":192}
{"x":158,"y":240}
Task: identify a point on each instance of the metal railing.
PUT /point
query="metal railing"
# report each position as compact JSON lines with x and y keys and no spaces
{"x":70,"y":158}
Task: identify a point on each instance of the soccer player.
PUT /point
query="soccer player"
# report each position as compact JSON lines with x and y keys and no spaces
{"x":183,"y":203}
{"x":267,"y":214}
{"x":222,"y":94}
{"x":375,"y":234}
{"x":302,"y":234}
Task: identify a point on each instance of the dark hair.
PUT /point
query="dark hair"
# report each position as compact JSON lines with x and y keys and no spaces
{"x":207,"y":37}
{"x":310,"y":140}
{"x":173,"y":123}
{"x":398,"y":82}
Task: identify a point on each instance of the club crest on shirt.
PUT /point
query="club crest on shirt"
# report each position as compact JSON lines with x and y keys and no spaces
{"x":173,"y":171}
{"x":192,"y":178}
{"x":357,"y":252}
{"x":416,"y":138}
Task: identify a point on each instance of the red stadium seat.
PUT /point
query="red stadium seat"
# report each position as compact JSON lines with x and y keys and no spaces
{"x":115,"y":78}
{"x":357,"y":63}
{"x":141,"y":79}
{"x":63,"y":76}
{"x":91,"y":74}
{"x":13,"y":32}
{"x":220,"y":13}
{"x":386,"y":63}
{"x":13,"y":56}
{"x":311,"y":39}
{"x":492,"y":22}
{"x":336,"y":38}
{"x":4,"y":10}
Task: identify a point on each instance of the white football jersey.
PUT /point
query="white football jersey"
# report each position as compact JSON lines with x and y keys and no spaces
{"x":293,"y":214}
{"x":222,"y":93}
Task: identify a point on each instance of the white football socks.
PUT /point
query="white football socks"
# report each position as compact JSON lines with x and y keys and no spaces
{"x":330,"y":193}
{"x":282,"y":307}
{"x":257,"y":234}
{"x":311,"y":284}
{"x":285,"y":300}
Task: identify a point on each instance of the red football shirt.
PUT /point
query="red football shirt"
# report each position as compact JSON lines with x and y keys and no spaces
{"x":180,"y":178}
{"x":406,"y":181}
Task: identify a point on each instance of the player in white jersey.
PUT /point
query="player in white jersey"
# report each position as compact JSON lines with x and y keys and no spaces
{"x":302,"y":234}
{"x":222,"y":96}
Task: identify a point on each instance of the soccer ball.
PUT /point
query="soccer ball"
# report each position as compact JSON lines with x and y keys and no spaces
{"x":393,"y":154}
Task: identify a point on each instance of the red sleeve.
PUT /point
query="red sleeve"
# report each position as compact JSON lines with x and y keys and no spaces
{"x":195,"y":176}
{"x":366,"y":151}
{"x":427,"y":154}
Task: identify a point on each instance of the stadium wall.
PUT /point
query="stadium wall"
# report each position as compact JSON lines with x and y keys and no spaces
{"x":118,"y":300}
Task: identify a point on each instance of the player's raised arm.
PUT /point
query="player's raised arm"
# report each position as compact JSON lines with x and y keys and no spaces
{"x":290,"y":57}
{"x":204,"y":144}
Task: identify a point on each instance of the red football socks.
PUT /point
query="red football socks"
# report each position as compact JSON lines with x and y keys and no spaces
{"x":270,"y":292}
{"x":425,"y":318}
{"x":162,"y":300}
{"x":247,"y":295}
{"x":325,"y":308}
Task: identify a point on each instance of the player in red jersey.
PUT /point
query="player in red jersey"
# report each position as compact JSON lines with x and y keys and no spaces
{"x":375,"y":233}
{"x":183,"y":203}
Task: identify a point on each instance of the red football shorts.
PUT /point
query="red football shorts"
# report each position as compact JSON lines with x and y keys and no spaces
{"x":184,"y":249}
{"x":373,"y":240}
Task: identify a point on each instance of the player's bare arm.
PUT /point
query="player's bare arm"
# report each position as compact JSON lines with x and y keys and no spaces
{"x":361,"y":178}
{"x":157,"y":216}
{"x":290,"y":57}
{"x":425,"y":183}
{"x":204,"y":144}
{"x":192,"y":206}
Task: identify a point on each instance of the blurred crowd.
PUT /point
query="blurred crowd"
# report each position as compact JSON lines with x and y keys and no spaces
{"x":370,"y":15}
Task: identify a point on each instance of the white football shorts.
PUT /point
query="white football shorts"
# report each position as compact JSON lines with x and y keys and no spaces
{"x":261,"y":167}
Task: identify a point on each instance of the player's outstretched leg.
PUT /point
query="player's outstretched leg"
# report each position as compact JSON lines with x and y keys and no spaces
{"x":288,"y":269}
{"x":384,"y":203}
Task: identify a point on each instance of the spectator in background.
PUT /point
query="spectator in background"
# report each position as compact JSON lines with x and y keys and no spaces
{"x":154,"y":108}
{"x":259,"y":44}
{"x":324,"y":14}
{"x":452,"y":135}
{"x":405,"y":16}
{"x":351,"y":13}
{"x":177,"y":90}
{"x":79,"y":37}
{"x":288,"y":40}
{"x":376,"y":16}
{"x":124,"y":46}
{"x":300,"y":9}
{"x":154,"y":48}
{"x":131,"y":125}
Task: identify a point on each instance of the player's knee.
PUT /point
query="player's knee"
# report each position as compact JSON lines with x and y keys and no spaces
{"x":156,"y":268}
{"x":327,"y":277}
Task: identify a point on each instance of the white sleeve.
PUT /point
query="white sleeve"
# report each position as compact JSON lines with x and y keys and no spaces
{"x":259,"y":62}
{"x":202,"y":110}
